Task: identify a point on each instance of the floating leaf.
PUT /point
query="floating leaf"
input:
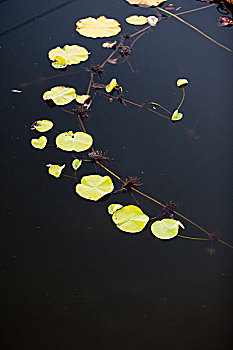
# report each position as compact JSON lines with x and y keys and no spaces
{"x":39,"y":143}
{"x":146,"y":2}
{"x":176,"y":115}
{"x":69,"y":141}
{"x":136,"y":20}
{"x":42,"y":125}
{"x":98,"y":27}
{"x":181,"y":82}
{"x":109,"y":44}
{"x":130,"y":219}
{"x":68,"y":55}
{"x":152,"y":20}
{"x":60,"y":95}
{"x":76,"y":163}
{"x":94,"y":187}
{"x":59,"y":62}
{"x":166,"y":228}
{"x":55,"y":170}
{"x":82,"y":98}
{"x":113,"y":207}
{"x":111,"y":85}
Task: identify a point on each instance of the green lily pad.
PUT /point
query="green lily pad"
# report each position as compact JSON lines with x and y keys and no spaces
{"x":76,"y":164}
{"x":94,"y":187}
{"x":78,"y":141}
{"x":182,"y":82}
{"x":166,"y":228}
{"x":61,"y":95}
{"x":55,"y":170}
{"x":42,"y":125}
{"x":176,"y":116}
{"x":39,"y":143}
{"x":130,"y":219}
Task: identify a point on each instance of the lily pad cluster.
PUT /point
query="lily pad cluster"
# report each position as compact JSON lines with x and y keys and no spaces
{"x":129,"y":218}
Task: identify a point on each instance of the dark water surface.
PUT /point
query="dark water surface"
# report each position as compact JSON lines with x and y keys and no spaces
{"x":69,"y":278}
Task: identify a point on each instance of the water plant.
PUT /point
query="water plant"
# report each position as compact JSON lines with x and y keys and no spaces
{"x":129,"y":218}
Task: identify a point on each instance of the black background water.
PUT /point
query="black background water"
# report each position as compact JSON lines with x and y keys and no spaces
{"x":69,"y":278}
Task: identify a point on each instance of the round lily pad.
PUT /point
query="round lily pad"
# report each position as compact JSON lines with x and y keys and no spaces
{"x":130,"y":219}
{"x":166,"y":228}
{"x":94,"y":187}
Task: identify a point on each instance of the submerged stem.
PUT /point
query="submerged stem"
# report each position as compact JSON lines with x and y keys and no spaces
{"x":196,"y":29}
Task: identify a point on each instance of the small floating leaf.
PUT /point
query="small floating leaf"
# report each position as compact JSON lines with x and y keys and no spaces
{"x":55,"y":170}
{"x":146,"y":2}
{"x":130,"y":219}
{"x":176,"y":115}
{"x":60,"y":95}
{"x":78,"y":141}
{"x":39,"y":143}
{"x":98,"y":27}
{"x":42,"y":125}
{"x":166,"y":228}
{"x":181,"y":82}
{"x":94,"y":187}
{"x":152,"y":20}
{"x":68,"y":55}
{"x":111,"y":85}
{"x":136,"y":20}
{"x":82,"y":98}
{"x":76,"y":163}
{"x":113,"y":207}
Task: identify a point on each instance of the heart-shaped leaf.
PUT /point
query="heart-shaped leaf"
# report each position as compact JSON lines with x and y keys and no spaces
{"x":176,"y":115}
{"x":39,"y":143}
{"x":55,"y":170}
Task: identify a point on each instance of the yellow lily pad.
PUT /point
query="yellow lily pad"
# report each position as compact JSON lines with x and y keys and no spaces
{"x":111,"y":85}
{"x":146,"y":2}
{"x":68,"y":55}
{"x":78,"y":141}
{"x":130,"y":219}
{"x":176,"y":116}
{"x":42,"y":125}
{"x":60,"y":95}
{"x":98,"y":27}
{"x":94,"y":187}
{"x":82,"y":98}
{"x":55,"y":170}
{"x":136,"y":20}
{"x":76,"y":164}
{"x":166,"y":228}
{"x":39,"y":143}
{"x":181,"y":82}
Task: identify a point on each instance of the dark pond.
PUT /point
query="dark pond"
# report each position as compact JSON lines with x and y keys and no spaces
{"x":69,"y":278}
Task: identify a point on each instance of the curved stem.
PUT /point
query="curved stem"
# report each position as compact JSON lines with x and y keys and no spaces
{"x":182,"y":99}
{"x":191,"y":26}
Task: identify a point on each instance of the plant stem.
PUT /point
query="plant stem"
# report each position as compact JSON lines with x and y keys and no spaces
{"x":182,"y":99}
{"x":196,"y":29}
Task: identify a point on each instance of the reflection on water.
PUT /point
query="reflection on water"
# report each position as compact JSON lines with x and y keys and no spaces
{"x":70,"y":278}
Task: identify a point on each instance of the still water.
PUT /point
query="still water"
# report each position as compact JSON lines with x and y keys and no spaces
{"x":69,"y":278}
